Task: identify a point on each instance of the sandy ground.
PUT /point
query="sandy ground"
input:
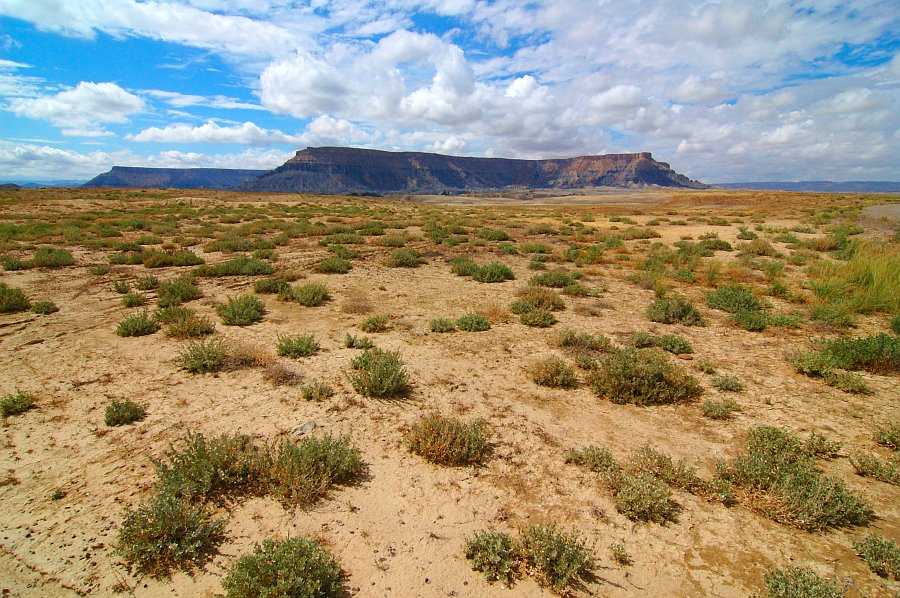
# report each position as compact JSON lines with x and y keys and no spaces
{"x":402,"y":530}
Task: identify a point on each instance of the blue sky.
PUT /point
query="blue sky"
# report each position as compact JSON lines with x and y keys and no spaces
{"x":724,"y":91}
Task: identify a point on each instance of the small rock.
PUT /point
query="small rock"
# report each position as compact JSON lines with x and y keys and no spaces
{"x":304,"y":429}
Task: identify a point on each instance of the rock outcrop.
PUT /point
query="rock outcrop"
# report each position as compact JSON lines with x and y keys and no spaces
{"x":173,"y":178}
{"x":350,"y":170}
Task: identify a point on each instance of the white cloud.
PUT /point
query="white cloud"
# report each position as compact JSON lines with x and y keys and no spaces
{"x":246,"y":133}
{"x":82,"y":109}
{"x":181,"y":100}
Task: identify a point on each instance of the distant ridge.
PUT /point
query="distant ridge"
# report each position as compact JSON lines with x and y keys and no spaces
{"x":343,"y":170}
{"x":820,"y":186}
{"x":173,"y":178}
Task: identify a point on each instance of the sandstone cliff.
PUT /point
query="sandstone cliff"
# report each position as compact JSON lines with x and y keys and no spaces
{"x":173,"y":178}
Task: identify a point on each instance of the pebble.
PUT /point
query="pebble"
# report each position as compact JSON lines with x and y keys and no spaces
{"x":304,"y":429}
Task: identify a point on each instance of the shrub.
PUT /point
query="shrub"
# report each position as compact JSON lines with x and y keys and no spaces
{"x":177,"y":291}
{"x":312,"y":294}
{"x":876,"y":354}
{"x":12,"y":300}
{"x":207,"y":469}
{"x":800,"y":582}
{"x":316,"y":391}
{"x":727,"y":383}
{"x":139,"y":324}
{"x":121,"y":413}
{"x":620,"y":554}
{"x":473,"y":323}
{"x":642,"y":340}
{"x":351,"y":341}
{"x":675,"y":310}
{"x":121,"y":287}
{"x":642,"y":377}
{"x":303,"y":345}
{"x":492,"y":553}
{"x":15,"y":404}
{"x":463,"y":266}
{"x":552,"y":372}
{"x":537,"y":298}
{"x":241,"y":311}
{"x":44,"y":307}
{"x":185,"y":323}
{"x":301,"y":473}
{"x":133,"y":299}
{"x":642,"y":497}
{"x":271,"y":286}
{"x":596,"y":459}
{"x":51,"y":257}
{"x":872,"y":467}
{"x":895,"y":324}
{"x":449,"y":441}
{"x":889,"y":435}
{"x":333,"y":265}
{"x":848,"y":382}
{"x":442,"y":325}
{"x":161,"y":259}
{"x":674,"y":344}
{"x":819,"y":446}
{"x":555,"y":279}
{"x":201,"y":357}
{"x":753,"y":321}
{"x":147,"y":283}
{"x":583,"y":342}
{"x":403,"y":258}
{"x":557,"y":558}
{"x":719,"y":409}
{"x":284,"y":568}
{"x":241,"y":266}
{"x":734,"y":298}
{"x":377,"y":323}
{"x":882,"y":555}
{"x":343,"y":252}
{"x":380,"y":374}
{"x":538,"y":318}
{"x":493,"y":272}
{"x":489,"y":234}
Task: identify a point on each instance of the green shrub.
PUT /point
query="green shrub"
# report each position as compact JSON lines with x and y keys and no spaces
{"x":376,"y":323}
{"x":185,"y":323}
{"x":271,"y":286}
{"x":674,"y":344}
{"x":121,"y":413}
{"x":139,"y":324}
{"x":819,"y":446}
{"x":177,"y":291}
{"x":473,"y":323}
{"x":208,"y":469}
{"x":848,"y":382}
{"x":675,"y":310}
{"x":134,"y":299}
{"x":343,"y":252}
{"x":301,"y":473}
{"x":541,"y":248}
{"x":556,"y":557}
{"x":642,"y":377}
{"x":895,"y":324}
{"x":44,"y":307}
{"x":284,"y":568}
{"x":379,"y":374}
{"x":492,"y":553}
{"x":241,"y":311}
{"x":508,"y":248}
{"x":316,"y":391}
{"x":201,"y":357}
{"x":870,"y":466}
{"x":449,"y":441}
{"x":333,"y":265}
{"x":583,"y":342}
{"x":351,"y":341}
{"x":12,"y":300}
{"x":51,"y":257}
{"x":15,"y":404}
{"x":162,"y":259}
{"x":753,"y":321}
{"x":442,"y":325}
{"x":303,"y":345}
{"x":489,"y":234}
{"x":403,"y":258}
{"x":493,"y":272}
{"x":552,"y":372}
{"x":147,"y":283}
{"x":13,"y":264}
{"x":596,"y":459}
{"x":879,"y":354}
{"x":800,"y":582}
{"x":312,"y":294}
{"x":620,"y":554}
{"x":537,"y":298}
{"x":121,"y":287}
{"x":642,"y":340}
{"x":241,"y":266}
{"x":555,"y":279}
{"x":463,"y":266}
{"x":727,"y":383}
{"x":889,"y":435}
{"x":882,"y":555}
{"x":538,"y":318}
{"x":643,"y":497}
{"x":719,"y":409}
{"x":734,"y":298}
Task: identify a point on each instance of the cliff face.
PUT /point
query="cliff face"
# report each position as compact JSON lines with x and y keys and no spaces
{"x":173,"y":178}
{"x":351,"y":170}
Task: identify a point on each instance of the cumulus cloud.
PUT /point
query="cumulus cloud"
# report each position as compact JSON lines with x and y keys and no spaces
{"x":181,"y":100}
{"x":246,"y":133}
{"x":81,"y":110}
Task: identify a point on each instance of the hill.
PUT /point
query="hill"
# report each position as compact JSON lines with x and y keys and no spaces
{"x":819,"y":186}
{"x":173,"y":178}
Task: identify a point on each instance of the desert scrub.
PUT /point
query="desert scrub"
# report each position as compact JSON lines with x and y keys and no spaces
{"x":473,"y":323}
{"x":538,"y":318}
{"x":620,"y":555}
{"x":13,"y":300}
{"x":316,"y":391}
{"x":403,"y":258}
{"x":184,"y":323}
{"x":442,"y":325}
{"x":672,"y":343}
{"x":241,"y":266}
{"x":895,"y":324}
{"x":147,"y":283}
{"x":168,"y":533}
{"x":201,"y":357}
{"x":271,"y":286}
{"x":16,"y":403}
{"x":870,"y":466}
{"x":333,"y":265}
{"x":377,"y":323}
{"x":556,"y":557}
{"x":302,"y":473}
{"x":642,"y":497}
{"x":351,"y":341}
{"x":820,"y":446}
{"x":784,"y":484}
{"x":462,"y":266}
{"x":882,"y":555}
{"x":162,"y":259}
{"x":734,"y":298}
{"x":593,"y":458}
{"x":642,"y":377}
{"x":140,"y":324}
{"x":675,"y":310}
{"x":312,"y":294}
{"x":302,"y":345}
{"x":380,"y":374}
{"x":719,"y":409}
{"x":555,"y":279}
{"x":449,"y":441}
{"x":552,"y":372}
{"x":889,"y":435}
{"x":122,"y":413}
{"x":208,"y":469}
{"x":536,"y":298}
{"x":493,"y":553}
{"x":879,"y":354}
{"x":285,"y":568}
{"x":727,"y":383}
{"x":583,"y":342}
{"x":44,"y":307}
{"x":493,"y":272}
{"x":800,"y":582}
{"x":134,"y":299}
{"x":51,"y":257}
{"x":177,"y":291}
{"x":241,"y":311}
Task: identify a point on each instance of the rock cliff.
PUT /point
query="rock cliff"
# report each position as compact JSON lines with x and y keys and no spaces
{"x":173,"y":178}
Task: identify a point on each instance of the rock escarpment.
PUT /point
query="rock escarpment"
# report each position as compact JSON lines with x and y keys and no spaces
{"x":173,"y":178}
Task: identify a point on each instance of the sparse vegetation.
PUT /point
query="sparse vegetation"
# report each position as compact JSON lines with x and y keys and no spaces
{"x":351,"y":341}
{"x":882,"y":555}
{"x":800,"y":582}
{"x":376,"y":323}
{"x":449,"y":441}
{"x":316,"y":391}
{"x":284,"y":569}
{"x":719,"y":409}
{"x":302,"y":345}
{"x":139,"y":324}
{"x":642,"y":377}
{"x":44,"y":308}
{"x":379,"y":374}
{"x":552,"y":372}
{"x":727,"y":383}
{"x":122,"y":413}
{"x":16,"y":403}
{"x":243,"y":310}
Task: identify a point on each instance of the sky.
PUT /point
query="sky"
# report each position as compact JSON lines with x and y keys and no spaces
{"x":725,"y":91}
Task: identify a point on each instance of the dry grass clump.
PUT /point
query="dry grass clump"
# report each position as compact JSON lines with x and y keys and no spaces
{"x":449,"y":441}
{"x":280,"y":375}
{"x":552,"y":372}
{"x":356,"y":301}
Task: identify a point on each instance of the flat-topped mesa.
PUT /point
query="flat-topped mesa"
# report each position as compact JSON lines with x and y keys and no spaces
{"x":174,"y":178}
{"x":354,"y":170}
